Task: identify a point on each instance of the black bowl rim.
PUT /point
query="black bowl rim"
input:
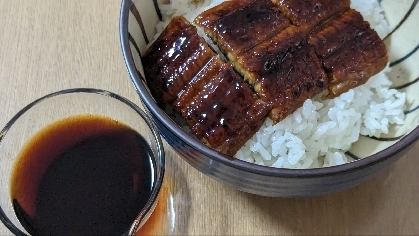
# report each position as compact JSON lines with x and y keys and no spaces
{"x":151,"y":105}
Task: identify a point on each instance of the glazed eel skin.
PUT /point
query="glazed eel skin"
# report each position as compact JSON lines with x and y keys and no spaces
{"x":221,"y":109}
{"x":279,"y":53}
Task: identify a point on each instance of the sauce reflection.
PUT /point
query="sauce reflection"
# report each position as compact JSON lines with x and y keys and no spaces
{"x":161,"y":221}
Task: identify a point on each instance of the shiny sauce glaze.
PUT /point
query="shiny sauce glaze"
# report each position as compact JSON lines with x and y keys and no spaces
{"x":231,"y":119}
{"x":175,"y":58}
{"x":285,"y":71}
{"x":187,"y":96}
{"x":211,"y":92}
{"x":246,"y":27}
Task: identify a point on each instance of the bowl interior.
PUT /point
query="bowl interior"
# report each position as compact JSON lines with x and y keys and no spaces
{"x":402,"y":44}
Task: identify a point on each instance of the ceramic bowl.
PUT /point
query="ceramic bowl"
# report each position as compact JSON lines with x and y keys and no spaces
{"x":371,"y":155}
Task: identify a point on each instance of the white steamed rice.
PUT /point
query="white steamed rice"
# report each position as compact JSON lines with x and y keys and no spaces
{"x":319,"y":133}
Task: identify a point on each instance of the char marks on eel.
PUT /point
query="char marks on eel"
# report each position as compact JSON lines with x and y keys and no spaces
{"x":350,"y":50}
{"x":284,"y":71}
{"x":232,"y":115}
{"x":238,"y":26}
{"x":219,"y":107}
{"x":174,"y":59}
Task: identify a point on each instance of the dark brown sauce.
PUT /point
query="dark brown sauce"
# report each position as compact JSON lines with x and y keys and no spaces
{"x":81,"y":176}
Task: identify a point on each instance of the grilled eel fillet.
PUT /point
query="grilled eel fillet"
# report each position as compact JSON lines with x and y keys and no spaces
{"x":174,"y":59}
{"x":238,"y":26}
{"x":284,"y":70}
{"x":351,"y":52}
{"x":320,"y":44}
{"x":221,"y":110}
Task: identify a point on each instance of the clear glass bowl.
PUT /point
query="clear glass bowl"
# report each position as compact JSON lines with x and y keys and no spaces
{"x":57,"y":106}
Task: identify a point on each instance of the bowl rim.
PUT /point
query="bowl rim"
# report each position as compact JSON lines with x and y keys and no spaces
{"x":152,"y":106}
{"x":160,"y":162}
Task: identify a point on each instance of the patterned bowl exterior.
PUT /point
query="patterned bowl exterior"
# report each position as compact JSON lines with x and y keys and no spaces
{"x":371,"y":155}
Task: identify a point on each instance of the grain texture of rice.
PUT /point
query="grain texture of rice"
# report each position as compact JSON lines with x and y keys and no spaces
{"x":320,"y":132}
